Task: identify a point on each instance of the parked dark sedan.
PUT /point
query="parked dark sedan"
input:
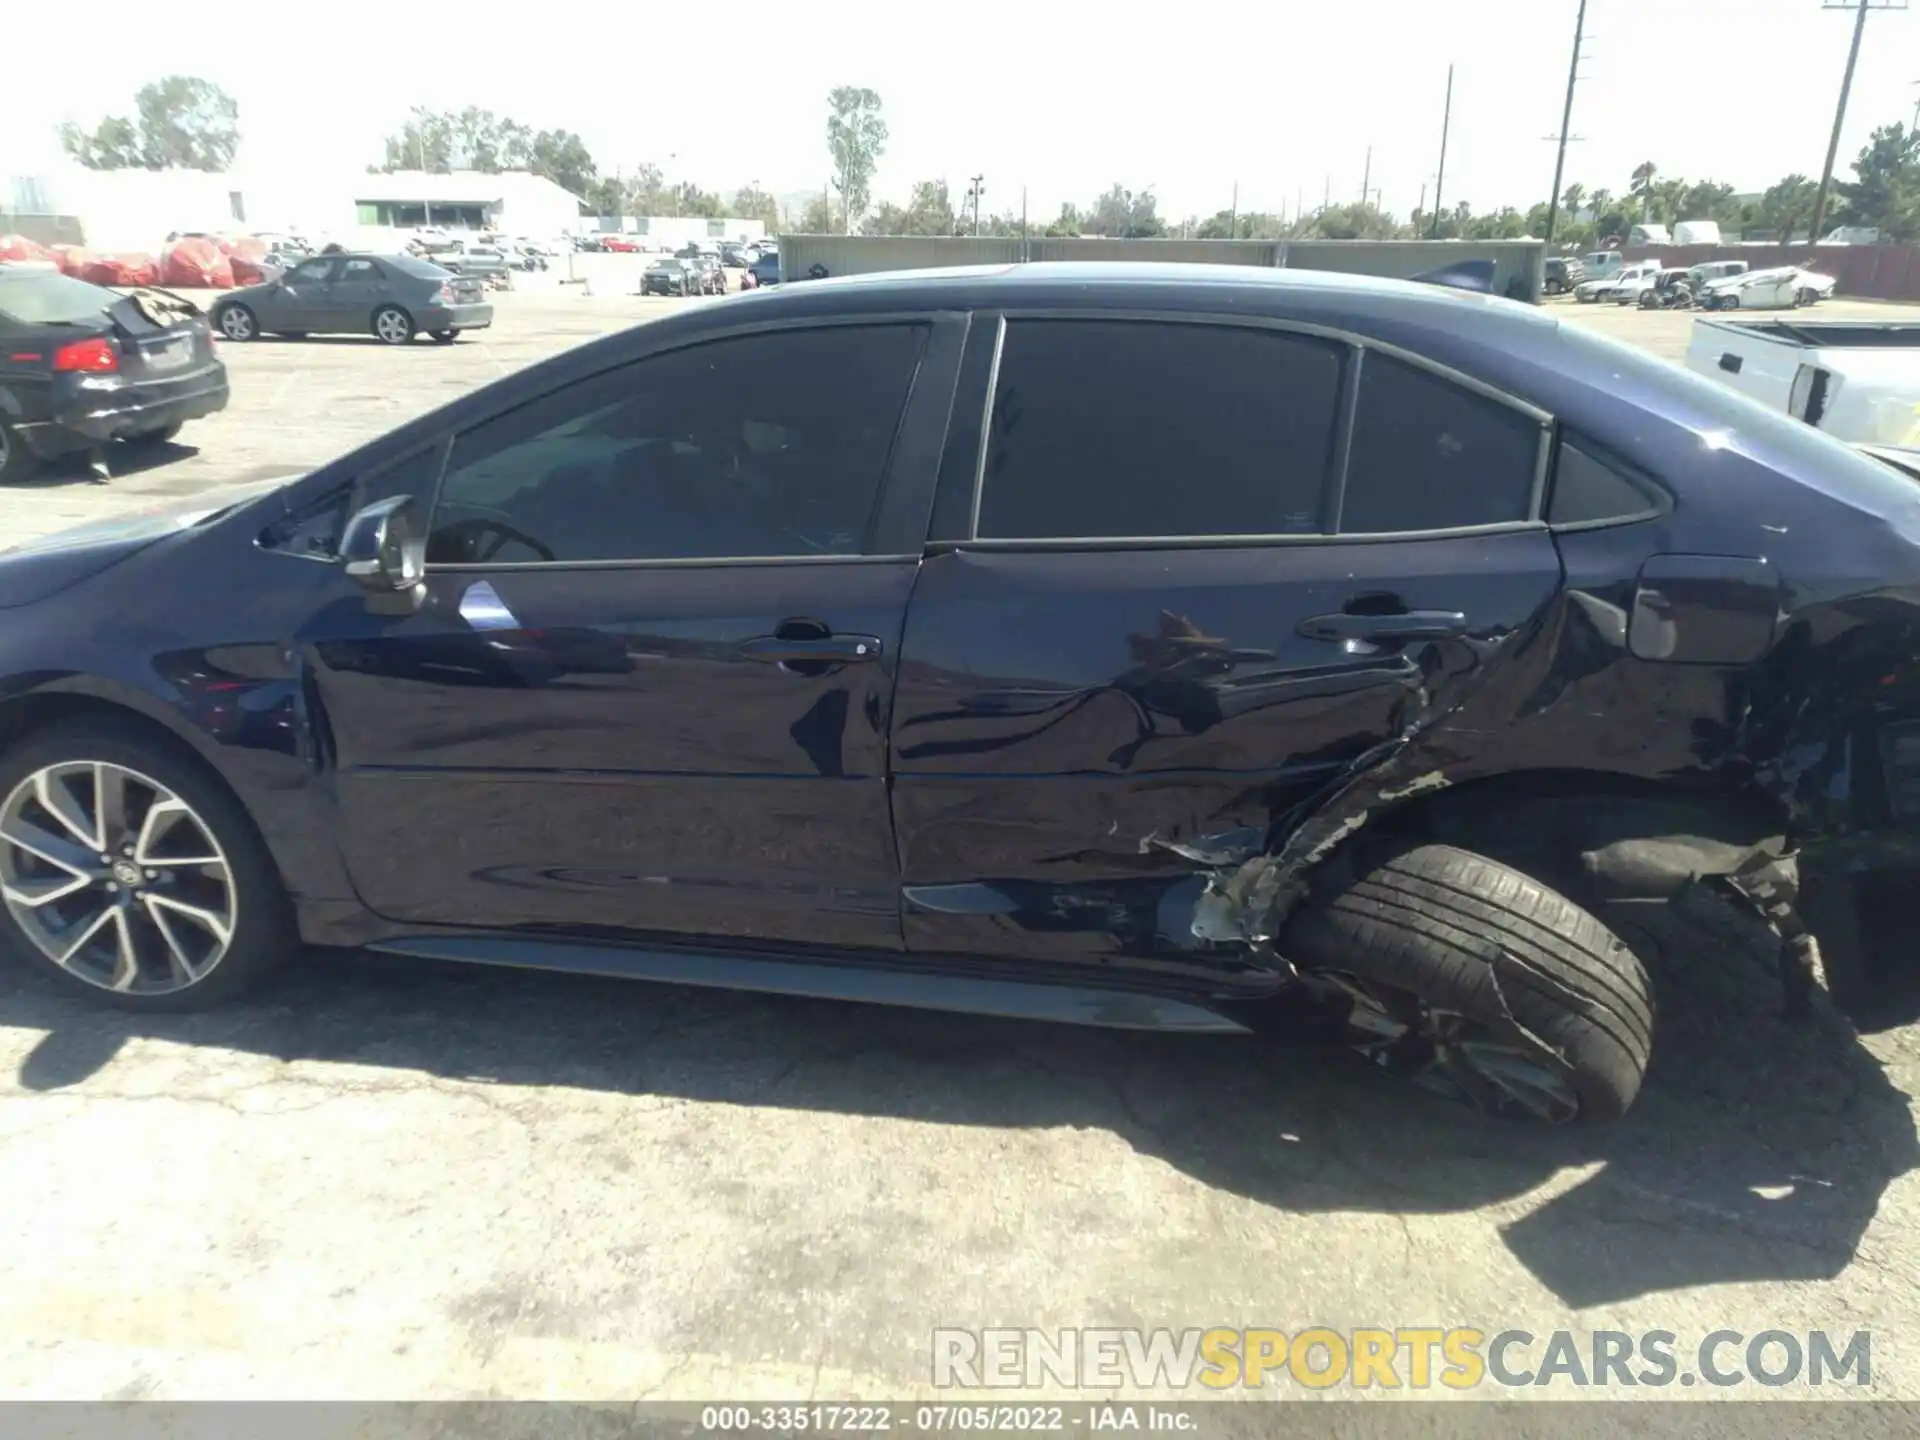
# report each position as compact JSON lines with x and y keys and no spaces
{"x":1169,"y":647}
{"x":393,"y":297}
{"x":670,"y":276}
{"x":81,"y":365}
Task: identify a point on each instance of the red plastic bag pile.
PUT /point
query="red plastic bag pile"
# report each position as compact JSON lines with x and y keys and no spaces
{"x":18,"y":250}
{"x":195,"y":264}
{"x":72,"y":259}
{"x":121,"y":270}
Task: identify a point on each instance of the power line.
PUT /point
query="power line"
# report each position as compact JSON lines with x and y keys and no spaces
{"x":1566,"y":121}
{"x":1860,"y":9}
{"x":1446,"y":123}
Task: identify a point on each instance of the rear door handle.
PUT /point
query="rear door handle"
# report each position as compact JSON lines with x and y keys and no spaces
{"x":802,"y":649}
{"x":1408,"y":625}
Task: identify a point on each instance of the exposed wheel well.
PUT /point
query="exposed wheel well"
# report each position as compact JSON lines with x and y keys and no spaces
{"x":1631,"y":836}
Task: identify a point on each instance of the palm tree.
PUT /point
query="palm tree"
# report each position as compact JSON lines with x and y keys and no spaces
{"x":1570,"y":202}
{"x":1641,"y":187}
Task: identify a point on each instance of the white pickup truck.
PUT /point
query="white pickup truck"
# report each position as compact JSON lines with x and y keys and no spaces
{"x":1857,"y":380}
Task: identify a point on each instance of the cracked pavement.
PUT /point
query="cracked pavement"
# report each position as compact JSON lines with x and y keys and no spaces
{"x":392,"y":1179}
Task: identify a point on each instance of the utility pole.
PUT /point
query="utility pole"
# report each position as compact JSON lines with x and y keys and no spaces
{"x":973,"y":193}
{"x":1233,"y":225}
{"x":1366,"y":177}
{"x":1915,"y":126}
{"x":1566,"y":121}
{"x":1859,"y":8}
{"x":1446,"y":124}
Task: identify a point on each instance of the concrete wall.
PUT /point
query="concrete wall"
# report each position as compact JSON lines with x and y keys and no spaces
{"x":1517,"y":263}
{"x":866,"y":254}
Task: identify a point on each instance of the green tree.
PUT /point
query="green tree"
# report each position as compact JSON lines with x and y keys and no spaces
{"x":1352,"y":222}
{"x":1645,"y":174}
{"x":1127,"y":214}
{"x":1068,"y":222}
{"x":1885,"y":190}
{"x":1786,"y":205}
{"x":856,"y":138}
{"x":750,"y":202}
{"x":180,"y":122}
{"x":817,"y":218}
{"x":1572,"y":199}
{"x":562,"y":157}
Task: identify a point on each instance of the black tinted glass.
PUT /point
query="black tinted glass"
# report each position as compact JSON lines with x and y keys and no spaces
{"x":1586,"y":489}
{"x":1431,"y":455}
{"x":766,"y":445}
{"x":1121,"y":428}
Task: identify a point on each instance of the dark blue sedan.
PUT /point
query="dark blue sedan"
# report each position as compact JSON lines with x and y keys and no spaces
{"x":1165,"y":647}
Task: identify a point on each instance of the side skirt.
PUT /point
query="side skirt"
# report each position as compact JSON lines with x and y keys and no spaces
{"x":826,"y":980}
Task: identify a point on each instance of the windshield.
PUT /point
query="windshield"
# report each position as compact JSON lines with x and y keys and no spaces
{"x":49,"y":298}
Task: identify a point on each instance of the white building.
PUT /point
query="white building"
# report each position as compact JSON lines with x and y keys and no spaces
{"x":513,"y":202}
{"x":137,"y":209}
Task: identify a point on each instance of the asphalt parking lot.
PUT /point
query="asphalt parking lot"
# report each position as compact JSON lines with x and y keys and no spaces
{"x":389,"y":1179}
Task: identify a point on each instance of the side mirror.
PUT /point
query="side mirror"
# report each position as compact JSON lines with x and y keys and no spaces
{"x":385,"y":550}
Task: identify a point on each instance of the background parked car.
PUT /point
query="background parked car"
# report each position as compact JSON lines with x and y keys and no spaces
{"x":668,"y":276}
{"x":766,"y":268}
{"x":1562,"y":273}
{"x":81,"y":366}
{"x":393,"y":297}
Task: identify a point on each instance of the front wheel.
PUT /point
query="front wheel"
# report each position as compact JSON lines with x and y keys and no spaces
{"x":237,"y":323}
{"x":393,"y":325}
{"x":1482,"y":984}
{"x":130,"y":875}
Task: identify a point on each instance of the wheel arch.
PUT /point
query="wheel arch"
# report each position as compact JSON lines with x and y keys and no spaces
{"x":1617,"y":835}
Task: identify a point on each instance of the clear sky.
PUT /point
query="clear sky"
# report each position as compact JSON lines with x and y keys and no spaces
{"x":1062,"y":97}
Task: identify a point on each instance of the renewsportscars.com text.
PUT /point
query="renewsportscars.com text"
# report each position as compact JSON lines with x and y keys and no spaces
{"x":1461,"y":1358}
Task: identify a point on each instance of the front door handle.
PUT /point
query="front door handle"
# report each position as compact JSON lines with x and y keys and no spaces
{"x":811,"y":649}
{"x":1407,"y":625}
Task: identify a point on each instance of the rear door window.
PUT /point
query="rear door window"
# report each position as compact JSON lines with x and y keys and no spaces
{"x":1121,"y":428}
{"x":1428,"y":454}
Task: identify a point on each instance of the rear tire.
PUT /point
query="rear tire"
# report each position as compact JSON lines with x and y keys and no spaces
{"x":393,"y":325}
{"x":1487,"y":968}
{"x":17,"y":462}
{"x":445,"y":337}
{"x":261,"y":933}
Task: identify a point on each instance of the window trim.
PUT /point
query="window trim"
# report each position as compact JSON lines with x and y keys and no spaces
{"x":938,"y":329}
{"x":1357,"y":346}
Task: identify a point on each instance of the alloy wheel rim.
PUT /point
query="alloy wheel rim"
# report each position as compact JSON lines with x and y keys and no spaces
{"x":237,"y":324}
{"x":115,"y":878}
{"x":391,"y":325}
{"x":1451,"y":1055}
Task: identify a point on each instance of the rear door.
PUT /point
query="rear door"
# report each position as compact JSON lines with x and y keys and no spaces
{"x":1195,"y":571}
{"x":650,"y":685}
{"x":356,"y":290}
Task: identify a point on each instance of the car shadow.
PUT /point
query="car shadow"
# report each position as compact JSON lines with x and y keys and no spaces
{"x":1759,"y":1150}
{"x":76,"y":467}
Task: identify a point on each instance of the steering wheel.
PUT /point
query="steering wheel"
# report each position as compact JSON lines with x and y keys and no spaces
{"x":482,"y":538}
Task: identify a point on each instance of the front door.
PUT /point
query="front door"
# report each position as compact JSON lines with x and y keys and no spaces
{"x":649,"y":691}
{"x":1191,"y":594}
{"x":298,"y":302}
